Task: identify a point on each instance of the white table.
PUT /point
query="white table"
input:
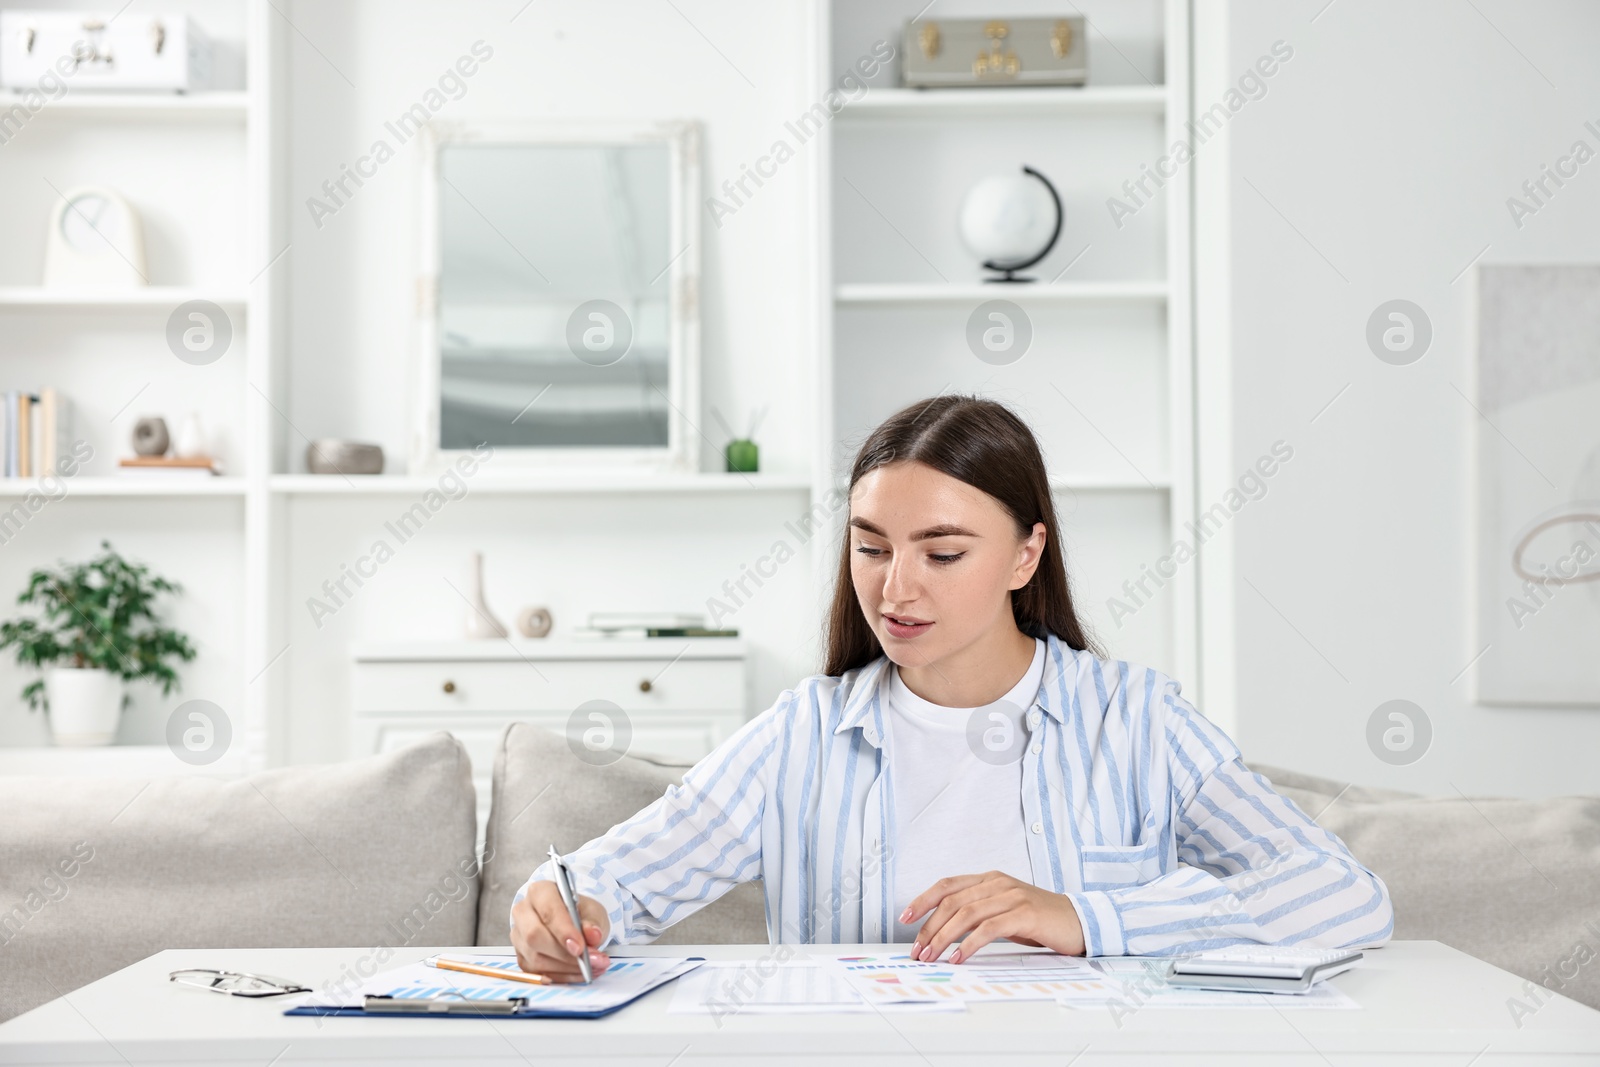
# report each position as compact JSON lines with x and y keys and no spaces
{"x":1423,"y":1004}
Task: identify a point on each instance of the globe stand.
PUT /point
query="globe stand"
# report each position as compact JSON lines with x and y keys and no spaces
{"x":1008,"y":271}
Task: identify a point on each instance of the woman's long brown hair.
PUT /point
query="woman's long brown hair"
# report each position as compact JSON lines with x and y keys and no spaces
{"x":984,"y":444}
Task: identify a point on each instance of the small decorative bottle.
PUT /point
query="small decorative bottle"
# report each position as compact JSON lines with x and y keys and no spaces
{"x":191,"y":440}
{"x":481,"y":623}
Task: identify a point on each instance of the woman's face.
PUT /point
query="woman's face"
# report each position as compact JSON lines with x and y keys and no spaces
{"x":933,"y":561}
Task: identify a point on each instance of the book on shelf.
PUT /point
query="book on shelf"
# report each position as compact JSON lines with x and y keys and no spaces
{"x":590,"y":633}
{"x":168,"y":466}
{"x":25,"y":402}
{"x":35,"y":431}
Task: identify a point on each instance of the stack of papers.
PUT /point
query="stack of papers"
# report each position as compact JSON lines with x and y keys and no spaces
{"x":890,"y":982}
{"x":800,"y":986}
{"x":894,"y":982}
{"x":881,"y":982}
{"x":896,"y":978}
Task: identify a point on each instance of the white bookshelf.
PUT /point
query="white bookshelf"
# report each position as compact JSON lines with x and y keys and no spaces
{"x":204,"y":172}
{"x":873,"y":306}
{"x":1110,"y":310}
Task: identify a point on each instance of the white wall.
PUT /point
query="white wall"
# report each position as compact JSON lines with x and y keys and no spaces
{"x":1376,"y":167}
{"x":352,"y":331}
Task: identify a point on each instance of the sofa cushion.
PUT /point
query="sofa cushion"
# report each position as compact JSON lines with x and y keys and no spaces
{"x":544,"y":795}
{"x":97,"y":874}
{"x":1508,"y":881}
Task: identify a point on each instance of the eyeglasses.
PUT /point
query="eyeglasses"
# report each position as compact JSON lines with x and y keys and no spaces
{"x":236,"y":983}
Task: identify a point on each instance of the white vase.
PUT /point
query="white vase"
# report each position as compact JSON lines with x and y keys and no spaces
{"x":481,"y":623}
{"x":85,"y":704}
{"x":191,"y":440}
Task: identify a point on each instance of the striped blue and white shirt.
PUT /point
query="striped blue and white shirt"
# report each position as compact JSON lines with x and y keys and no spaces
{"x":1137,"y":808}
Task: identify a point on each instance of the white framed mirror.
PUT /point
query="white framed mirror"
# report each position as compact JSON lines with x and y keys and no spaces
{"x":559,"y":281}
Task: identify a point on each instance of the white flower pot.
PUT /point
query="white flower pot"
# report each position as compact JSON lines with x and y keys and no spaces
{"x":85,"y":704}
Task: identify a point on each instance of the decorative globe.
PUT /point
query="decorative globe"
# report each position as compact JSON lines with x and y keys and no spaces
{"x":1007,"y":218}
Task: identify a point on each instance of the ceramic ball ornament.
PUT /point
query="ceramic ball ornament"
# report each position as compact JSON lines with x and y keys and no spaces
{"x":1011,"y":221}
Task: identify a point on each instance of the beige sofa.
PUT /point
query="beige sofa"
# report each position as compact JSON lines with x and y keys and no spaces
{"x":100,"y":873}
{"x":379,"y":853}
{"x":1514,"y":882}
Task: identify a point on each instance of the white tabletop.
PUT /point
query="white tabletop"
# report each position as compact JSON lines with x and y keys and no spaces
{"x":1416,"y":997}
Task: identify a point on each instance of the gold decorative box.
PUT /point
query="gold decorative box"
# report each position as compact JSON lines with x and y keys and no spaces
{"x":964,"y":52}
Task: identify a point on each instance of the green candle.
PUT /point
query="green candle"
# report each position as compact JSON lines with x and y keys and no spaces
{"x":744,"y":457}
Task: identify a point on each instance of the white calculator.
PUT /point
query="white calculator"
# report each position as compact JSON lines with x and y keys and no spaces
{"x":1260,"y":968}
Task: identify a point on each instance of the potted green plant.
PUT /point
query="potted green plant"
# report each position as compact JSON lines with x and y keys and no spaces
{"x":99,"y":631}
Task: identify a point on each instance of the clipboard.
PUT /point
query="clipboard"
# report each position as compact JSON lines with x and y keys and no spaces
{"x":420,"y":991}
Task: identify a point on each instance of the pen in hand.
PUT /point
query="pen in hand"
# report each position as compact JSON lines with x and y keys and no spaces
{"x":569,"y":897}
{"x":543,"y":936}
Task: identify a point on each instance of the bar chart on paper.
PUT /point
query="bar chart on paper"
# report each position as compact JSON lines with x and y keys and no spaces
{"x":796,"y":986}
{"x":623,"y":975}
{"x":476,"y":987}
{"x":897,"y":978}
{"x":623,"y":981}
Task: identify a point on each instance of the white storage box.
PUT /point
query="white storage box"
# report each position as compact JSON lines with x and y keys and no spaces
{"x":87,"y":50}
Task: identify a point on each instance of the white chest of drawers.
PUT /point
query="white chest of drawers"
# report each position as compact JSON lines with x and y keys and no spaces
{"x":681,"y":697}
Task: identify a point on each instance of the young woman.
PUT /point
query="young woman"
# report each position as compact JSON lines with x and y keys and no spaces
{"x":966,"y":767}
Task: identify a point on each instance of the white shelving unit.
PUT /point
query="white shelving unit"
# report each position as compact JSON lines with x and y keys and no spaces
{"x":1111,"y":314}
{"x":1112,"y":331}
{"x":204,"y":172}
{"x":244,"y":519}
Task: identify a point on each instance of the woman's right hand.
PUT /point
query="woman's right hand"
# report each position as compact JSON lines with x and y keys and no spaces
{"x":545,"y":939}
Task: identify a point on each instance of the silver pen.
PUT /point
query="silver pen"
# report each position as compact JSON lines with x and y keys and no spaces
{"x":569,"y":897}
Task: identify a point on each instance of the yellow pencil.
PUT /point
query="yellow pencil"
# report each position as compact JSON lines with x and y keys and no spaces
{"x":488,"y":972}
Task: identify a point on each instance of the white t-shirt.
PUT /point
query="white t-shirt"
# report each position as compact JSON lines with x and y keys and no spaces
{"x":955,"y":813}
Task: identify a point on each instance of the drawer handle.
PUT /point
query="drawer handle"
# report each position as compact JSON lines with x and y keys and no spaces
{"x":449,"y":687}
{"x":645,"y":686}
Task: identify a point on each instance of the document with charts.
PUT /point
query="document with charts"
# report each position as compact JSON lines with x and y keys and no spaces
{"x":763,"y":987}
{"x":896,"y":978}
{"x":624,"y":981}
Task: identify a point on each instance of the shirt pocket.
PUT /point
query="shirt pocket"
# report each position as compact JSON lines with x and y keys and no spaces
{"x":1119,"y":866}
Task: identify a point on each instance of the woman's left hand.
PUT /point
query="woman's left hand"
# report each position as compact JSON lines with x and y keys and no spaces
{"x":977,"y":908}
